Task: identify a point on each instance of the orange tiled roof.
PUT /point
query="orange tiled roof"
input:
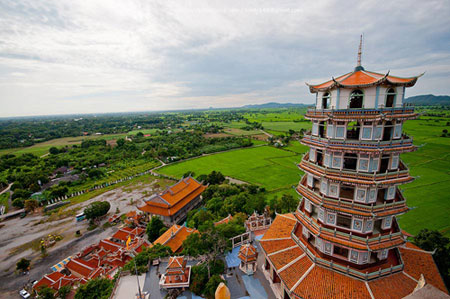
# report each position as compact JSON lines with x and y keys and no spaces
{"x":224,"y":220}
{"x":175,"y":236}
{"x":173,"y":198}
{"x":248,"y":253}
{"x":123,"y":233}
{"x":48,"y":280}
{"x":80,"y":267}
{"x":294,"y":268}
{"x":362,"y":78}
{"x":281,"y":227}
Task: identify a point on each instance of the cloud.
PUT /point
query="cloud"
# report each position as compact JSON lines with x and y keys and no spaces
{"x":60,"y":56}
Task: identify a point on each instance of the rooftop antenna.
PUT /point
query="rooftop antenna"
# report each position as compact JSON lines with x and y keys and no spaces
{"x":358,"y":65}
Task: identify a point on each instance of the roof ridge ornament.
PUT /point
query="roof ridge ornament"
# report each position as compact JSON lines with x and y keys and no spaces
{"x":358,"y":63}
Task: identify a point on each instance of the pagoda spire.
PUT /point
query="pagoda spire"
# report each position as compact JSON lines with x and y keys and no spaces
{"x":358,"y":64}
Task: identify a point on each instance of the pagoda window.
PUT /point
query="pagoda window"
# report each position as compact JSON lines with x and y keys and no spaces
{"x":344,"y":221}
{"x":353,"y":129}
{"x":347,"y":192}
{"x":320,"y":214}
{"x":372,"y":195}
{"x":357,"y":225}
{"x":390,"y":98}
{"x":383,"y":254}
{"x":319,"y":157}
{"x":387,"y":132}
{"x":305,"y":232}
{"x":368,"y":226}
{"x":373,"y":164}
{"x":360,"y":195}
{"x":334,"y":190}
{"x":390,"y":194}
{"x":331,"y":218}
{"x":394,"y":161}
{"x":350,"y":161}
{"x":319,"y":244}
{"x":327,"y":160}
{"x":326,"y":100}
{"x":386,"y":223}
{"x":356,"y":99}
{"x":366,"y":133}
{"x":328,"y":248}
{"x":337,"y":161}
{"x":330,"y":131}
{"x":384,"y":163}
{"x":324,"y":187}
{"x":310,"y":180}
{"x":322,"y":129}
{"x":377,"y":132}
{"x":340,"y":132}
{"x":363,"y":163}
{"x":341,"y":252}
{"x":397,"y":131}
{"x":312,"y":154}
{"x":354,"y":256}
{"x":308,"y":205}
{"x":364,"y":257}
{"x":315,"y":129}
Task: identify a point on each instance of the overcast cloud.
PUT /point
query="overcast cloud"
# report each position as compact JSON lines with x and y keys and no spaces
{"x":60,"y":57}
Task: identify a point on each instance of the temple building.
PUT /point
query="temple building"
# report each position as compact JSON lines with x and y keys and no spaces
{"x":177,"y":274}
{"x":173,"y":204}
{"x":174,"y":237}
{"x":344,"y":241}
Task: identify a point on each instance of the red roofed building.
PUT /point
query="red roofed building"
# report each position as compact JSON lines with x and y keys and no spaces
{"x":174,"y":237}
{"x":121,"y":236}
{"x":344,"y":241}
{"x":177,"y":274}
{"x":173,"y":204}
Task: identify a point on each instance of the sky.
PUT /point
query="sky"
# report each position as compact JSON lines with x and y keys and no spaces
{"x":93,"y":56}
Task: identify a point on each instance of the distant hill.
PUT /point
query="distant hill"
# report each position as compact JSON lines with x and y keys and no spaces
{"x":276,"y":105}
{"x":428,"y":99}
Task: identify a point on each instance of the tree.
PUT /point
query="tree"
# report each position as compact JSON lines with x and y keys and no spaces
{"x":30,"y":205}
{"x":154,"y":228}
{"x":53,"y":150}
{"x":23,"y":264}
{"x":46,"y":293}
{"x":431,"y":240}
{"x":97,"y":209}
{"x":64,"y":291}
{"x":18,"y":203}
{"x":58,"y":191}
{"x":99,"y":288}
{"x":199,"y":278}
{"x":211,"y":286}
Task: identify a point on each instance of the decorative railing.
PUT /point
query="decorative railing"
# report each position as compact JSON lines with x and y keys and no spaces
{"x":349,"y":236}
{"x":364,"y":112}
{"x":361,"y":144}
{"x":346,"y":270}
{"x":371,"y":209}
{"x":401,"y":172}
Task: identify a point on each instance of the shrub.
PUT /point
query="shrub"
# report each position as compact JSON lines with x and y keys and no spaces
{"x":23,"y":264}
{"x":18,"y":203}
{"x":97,"y":209}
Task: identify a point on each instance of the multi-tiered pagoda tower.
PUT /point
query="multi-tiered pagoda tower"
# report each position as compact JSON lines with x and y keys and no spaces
{"x":343,"y":240}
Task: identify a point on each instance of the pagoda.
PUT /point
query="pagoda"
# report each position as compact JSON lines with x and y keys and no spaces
{"x":344,"y":241}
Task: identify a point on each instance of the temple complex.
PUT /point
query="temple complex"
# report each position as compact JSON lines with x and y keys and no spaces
{"x":344,"y":241}
{"x":173,"y":204}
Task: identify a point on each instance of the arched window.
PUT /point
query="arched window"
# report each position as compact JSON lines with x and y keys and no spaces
{"x":326,"y":100}
{"x":390,"y":97}
{"x":356,"y":99}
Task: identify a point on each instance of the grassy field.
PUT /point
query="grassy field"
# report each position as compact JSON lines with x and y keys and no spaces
{"x":4,"y":200}
{"x":266,"y":166}
{"x":284,"y":126}
{"x":42,"y":148}
{"x":429,"y":194}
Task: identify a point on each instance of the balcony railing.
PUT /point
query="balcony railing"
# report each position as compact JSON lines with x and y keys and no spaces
{"x":370,"y":177}
{"x":346,"y":270}
{"x":398,"y":206}
{"x":406,"y":109}
{"x":377,"y":240}
{"x":362,"y":145}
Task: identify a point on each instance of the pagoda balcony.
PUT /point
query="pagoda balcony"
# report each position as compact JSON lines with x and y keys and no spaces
{"x":372,"y":241}
{"x":405,"y":112}
{"x":404,"y":144}
{"x":392,"y":264}
{"x":398,"y":176}
{"x":380,"y":208}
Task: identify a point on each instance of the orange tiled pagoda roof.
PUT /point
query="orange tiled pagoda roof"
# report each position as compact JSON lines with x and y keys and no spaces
{"x":174,"y":198}
{"x":362,"y":78}
{"x":175,"y":236}
{"x":309,"y":280}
